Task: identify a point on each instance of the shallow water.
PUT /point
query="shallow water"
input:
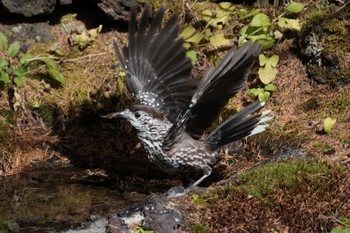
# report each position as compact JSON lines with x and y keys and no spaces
{"x":46,"y":197}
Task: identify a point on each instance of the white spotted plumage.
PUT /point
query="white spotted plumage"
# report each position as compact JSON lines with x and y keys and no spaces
{"x":175,"y":111}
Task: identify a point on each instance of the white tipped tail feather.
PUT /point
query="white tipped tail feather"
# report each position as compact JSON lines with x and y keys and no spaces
{"x":242,"y":125}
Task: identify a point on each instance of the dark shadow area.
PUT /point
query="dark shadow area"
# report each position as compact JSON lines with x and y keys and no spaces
{"x":91,"y":141}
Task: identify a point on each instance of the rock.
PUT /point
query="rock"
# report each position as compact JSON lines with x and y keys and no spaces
{"x":29,"y":8}
{"x":96,"y":224}
{"x":154,"y":214}
{"x":116,"y":9}
{"x":323,"y":43}
{"x":40,"y":32}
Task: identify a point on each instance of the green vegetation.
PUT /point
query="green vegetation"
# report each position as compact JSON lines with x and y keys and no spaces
{"x":217,"y":33}
{"x":292,"y":175}
{"x":16,"y":67}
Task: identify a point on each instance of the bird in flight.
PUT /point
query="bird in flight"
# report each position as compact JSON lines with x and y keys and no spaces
{"x":174,"y":110}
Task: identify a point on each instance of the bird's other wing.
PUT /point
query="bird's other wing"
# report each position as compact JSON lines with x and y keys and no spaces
{"x":158,"y":72}
{"x":214,"y":91}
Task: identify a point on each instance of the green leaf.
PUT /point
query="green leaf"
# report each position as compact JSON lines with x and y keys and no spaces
{"x":191,"y":35}
{"x":225,"y":9}
{"x":273,"y":60}
{"x":56,"y":75}
{"x":262,"y":59}
{"x":121,"y":73}
{"x":260,"y":20}
{"x":292,"y":24}
{"x":3,"y":63}
{"x":265,"y":41}
{"x":25,"y":58}
{"x":53,"y":70}
{"x":4,"y":77}
{"x":14,"y":49}
{"x":192,"y":55}
{"x":262,"y":97}
{"x":3,"y":42}
{"x":19,"y":71}
{"x":219,"y":40}
{"x":267,"y":74}
{"x":340,"y":230}
{"x":243,"y":13}
{"x":328,"y":124}
{"x":226,"y":6}
{"x":20,"y":80}
{"x":270,"y":87}
{"x":207,"y":15}
{"x":255,"y":91}
{"x":295,"y":7}
{"x":49,"y":63}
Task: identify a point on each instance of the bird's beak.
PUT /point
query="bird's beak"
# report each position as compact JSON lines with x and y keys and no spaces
{"x":115,"y":115}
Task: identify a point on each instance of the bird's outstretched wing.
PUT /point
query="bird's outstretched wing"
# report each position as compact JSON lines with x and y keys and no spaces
{"x":158,"y":72}
{"x":214,"y":91}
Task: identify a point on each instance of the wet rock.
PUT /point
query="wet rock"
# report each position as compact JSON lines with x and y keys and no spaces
{"x":96,"y":224}
{"x":156,"y":214}
{"x":29,"y":8}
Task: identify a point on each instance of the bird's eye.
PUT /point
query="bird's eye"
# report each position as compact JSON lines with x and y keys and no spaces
{"x":137,"y":114}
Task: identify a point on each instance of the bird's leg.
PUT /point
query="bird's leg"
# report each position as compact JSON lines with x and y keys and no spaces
{"x":179,"y":191}
{"x":207,"y":171}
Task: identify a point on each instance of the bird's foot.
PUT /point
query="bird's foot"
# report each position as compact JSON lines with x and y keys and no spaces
{"x":176,"y":191}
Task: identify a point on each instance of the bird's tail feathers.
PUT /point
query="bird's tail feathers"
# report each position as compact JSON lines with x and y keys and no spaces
{"x":240,"y":125}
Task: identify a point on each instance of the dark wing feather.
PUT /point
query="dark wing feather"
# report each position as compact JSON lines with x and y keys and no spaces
{"x":213,"y":93}
{"x":158,"y":72}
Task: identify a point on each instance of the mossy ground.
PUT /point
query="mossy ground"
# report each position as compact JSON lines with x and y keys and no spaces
{"x":290,"y":196}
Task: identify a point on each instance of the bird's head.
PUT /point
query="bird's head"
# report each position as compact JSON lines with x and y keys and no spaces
{"x":143,"y":118}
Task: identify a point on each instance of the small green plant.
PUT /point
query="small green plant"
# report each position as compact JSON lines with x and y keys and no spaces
{"x":15,"y":68}
{"x":267,"y":70}
{"x":84,"y":39}
{"x":267,"y":73}
{"x":217,"y":33}
{"x":262,"y":94}
{"x":265,"y":30}
{"x":213,"y":33}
